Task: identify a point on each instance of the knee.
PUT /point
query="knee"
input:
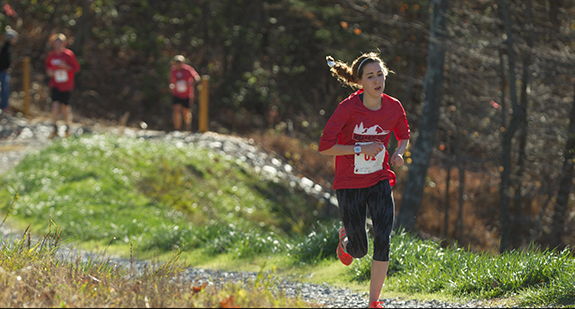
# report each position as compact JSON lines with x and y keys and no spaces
{"x":357,"y":252}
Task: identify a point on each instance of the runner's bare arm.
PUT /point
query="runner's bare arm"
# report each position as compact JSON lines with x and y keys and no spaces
{"x":341,"y":150}
{"x":397,"y":157}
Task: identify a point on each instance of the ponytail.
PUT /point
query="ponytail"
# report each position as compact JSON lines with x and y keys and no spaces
{"x":351,"y":76}
{"x":343,"y":72}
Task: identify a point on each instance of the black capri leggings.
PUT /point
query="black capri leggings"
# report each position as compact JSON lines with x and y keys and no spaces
{"x":353,"y":204}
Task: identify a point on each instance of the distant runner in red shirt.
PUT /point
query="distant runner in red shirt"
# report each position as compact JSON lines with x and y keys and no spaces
{"x":357,"y":134}
{"x":182,"y":80}
{"x":61,"y":66}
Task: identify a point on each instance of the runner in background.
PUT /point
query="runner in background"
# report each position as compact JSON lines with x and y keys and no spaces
{"x":182,"y":80}
{"x":61,"y":66}
{"x":358,"y":133}
{"x":10,"y":39}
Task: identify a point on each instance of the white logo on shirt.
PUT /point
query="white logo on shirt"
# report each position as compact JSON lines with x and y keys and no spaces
{"x":375,"y":130}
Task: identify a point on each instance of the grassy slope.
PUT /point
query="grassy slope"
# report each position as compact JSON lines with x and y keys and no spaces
{"x":151,"y":194}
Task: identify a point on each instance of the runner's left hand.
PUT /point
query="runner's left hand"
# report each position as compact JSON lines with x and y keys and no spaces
{"x":397,"y":159}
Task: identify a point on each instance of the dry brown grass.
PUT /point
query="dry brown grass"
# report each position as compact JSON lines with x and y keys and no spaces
{"x":480,"y":207}
{"x":302,"y":155}
{"x":31,"y":276}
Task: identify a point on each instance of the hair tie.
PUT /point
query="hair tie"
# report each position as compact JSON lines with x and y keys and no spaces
{"x":359,"y":67}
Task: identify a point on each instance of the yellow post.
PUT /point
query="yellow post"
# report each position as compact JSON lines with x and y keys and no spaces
{"x":204,"y":103}
{"x":26,"y":82}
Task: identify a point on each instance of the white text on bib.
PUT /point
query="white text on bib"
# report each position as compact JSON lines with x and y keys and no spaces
{"x":61,"y":76}
{"x":181,"y":86}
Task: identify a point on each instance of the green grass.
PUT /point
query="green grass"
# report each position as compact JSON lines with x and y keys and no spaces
{"x":532,"y":276}
{"x":159,"y":196}
{"x":111,"y":193}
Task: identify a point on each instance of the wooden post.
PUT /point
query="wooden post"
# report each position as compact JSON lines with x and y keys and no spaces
{"x":26,"y":82}
{"x":204,"y":103}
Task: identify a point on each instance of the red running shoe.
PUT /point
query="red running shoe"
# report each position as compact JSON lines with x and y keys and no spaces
{"x":376,"y":304}
{"x":343,"y":256}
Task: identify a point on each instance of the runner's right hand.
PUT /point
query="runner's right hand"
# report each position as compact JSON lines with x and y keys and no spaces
{"x":372,"y":149}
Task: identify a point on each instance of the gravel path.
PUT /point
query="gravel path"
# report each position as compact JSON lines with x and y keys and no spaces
{"x":19,"y":136}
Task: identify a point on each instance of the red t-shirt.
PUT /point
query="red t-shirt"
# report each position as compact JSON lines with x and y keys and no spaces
{"x":353,"y":122}
{"x":183,"y":81}
{"x":63,"y":79}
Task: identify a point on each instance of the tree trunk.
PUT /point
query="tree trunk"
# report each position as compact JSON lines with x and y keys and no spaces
{"x":206,"y":25}
{"x":503,"y":86}
{"x":520,"y":219}
{"x":508,"y":134}
{"x":560,"y":212}
{"x":461,"y":168}
{"x":83,"y":28}
{"x":446,"y":208}
{"x":409,"y":83}
{"x":413,"y":63}
{"x":432,"y":87}
{"x":554,"y":6}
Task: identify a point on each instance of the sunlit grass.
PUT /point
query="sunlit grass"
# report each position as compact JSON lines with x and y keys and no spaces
{"x":537,"y":277}
{"x":156,"y":195}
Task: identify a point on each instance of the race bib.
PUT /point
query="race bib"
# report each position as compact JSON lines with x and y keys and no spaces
{"x":181,"y":86}
{"x":61,"y":76}
{"x":365,"y":164}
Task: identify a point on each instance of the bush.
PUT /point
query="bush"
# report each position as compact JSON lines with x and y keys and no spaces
{"x":319,"y":244}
